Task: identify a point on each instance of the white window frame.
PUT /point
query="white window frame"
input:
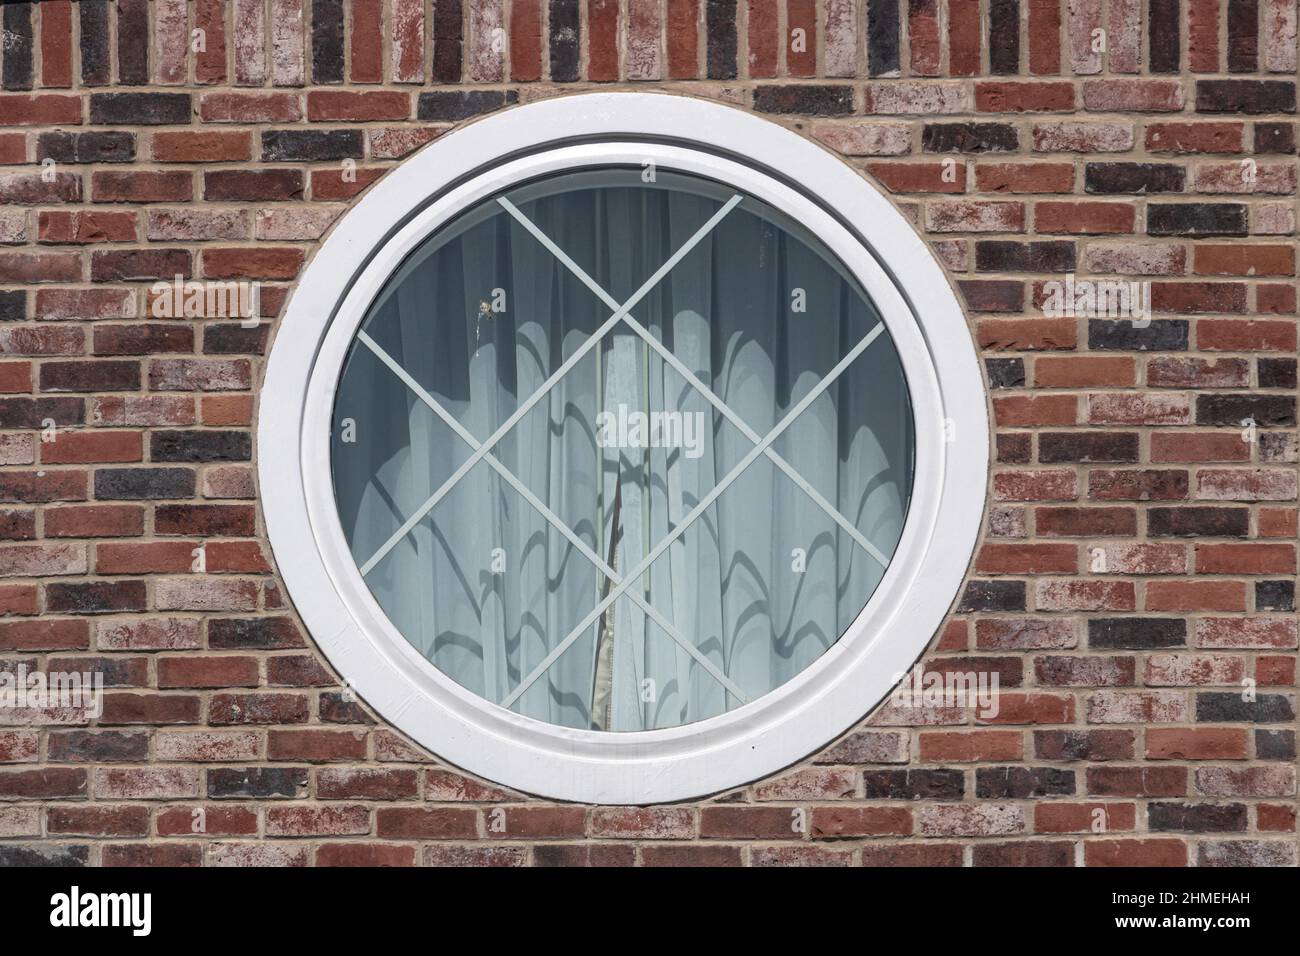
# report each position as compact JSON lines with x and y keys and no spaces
{"x":756,"y":156}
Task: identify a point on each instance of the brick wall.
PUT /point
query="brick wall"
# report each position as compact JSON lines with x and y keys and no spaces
{"x":1140,"y":552}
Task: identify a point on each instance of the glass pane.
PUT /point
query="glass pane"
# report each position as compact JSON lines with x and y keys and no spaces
{"x":506,"y":454}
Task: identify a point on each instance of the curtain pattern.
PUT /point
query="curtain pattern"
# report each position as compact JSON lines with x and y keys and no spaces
{"x":762,"y":583}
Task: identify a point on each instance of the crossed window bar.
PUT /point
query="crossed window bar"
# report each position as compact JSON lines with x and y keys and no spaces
{"x":620,"y":585}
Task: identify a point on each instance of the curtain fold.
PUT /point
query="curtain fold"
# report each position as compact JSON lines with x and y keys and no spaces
{"x":761,"y":584}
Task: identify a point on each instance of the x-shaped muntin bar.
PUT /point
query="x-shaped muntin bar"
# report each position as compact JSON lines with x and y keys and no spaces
{"x":546,"y":386}
{"x":832,"y":512}
{"x":750,"y":457}
{"x":437,"y":408}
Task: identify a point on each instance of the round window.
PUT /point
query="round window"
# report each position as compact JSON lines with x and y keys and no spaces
{"x":611,"y":464}
{"x":622,"y":449}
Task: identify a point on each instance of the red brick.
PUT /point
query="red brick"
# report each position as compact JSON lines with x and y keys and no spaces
{"x":357,"y":106}
{"x":40,"y":109}
{"x":1084,"y":218}
{"x":212,"y":821}
{"x":364,"y":854}
{"x":75,"y":448}
{"x":331,"y":184}
{"x":1084,"y":817}
{"x":141,"y":186}
{"x":1135,"y":853}
{"x":1227,"y":743}
{"x":1027,"y":334}
{"x":201,"y":146}
{"x":1027,"y":558}
{"x":964,"y":31}
{"x":315,"y":746}
{"x":250,"y":108}
{"x":1024,"y":177}
{"x":252,"y":263}
{"x":1011,"y":96}
{"x":1245,"y":559}
{"x":972,"y":746}
{"x":56,"y":43}
{"x":1196,"y":596}
{"x":84,"y":227}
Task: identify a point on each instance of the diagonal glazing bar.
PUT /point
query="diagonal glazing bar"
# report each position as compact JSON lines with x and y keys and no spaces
{"x":832,"y":512}
{"x":558,"y":374}
{"x":750,"y":457}
{"x":420,"y":392}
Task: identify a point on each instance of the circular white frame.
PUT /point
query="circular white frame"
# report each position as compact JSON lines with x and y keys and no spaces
{"x":458,"y":170}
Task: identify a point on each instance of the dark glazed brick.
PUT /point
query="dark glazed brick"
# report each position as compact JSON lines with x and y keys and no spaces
{"x":1275,"y":595}
{"x":133,"y":42}
{"x":1245,"y":96}
{"x":1006,"y":373}
{"x":1184,"y":522}
{"x":1134,"y":178}
{"x":1196,"y":219}
{"x":1136,"y":633}
{"x":1277,"y":373}
{"x":200,"y":445}
{"x":1015,"y":448}
{"x":1197,"y":817}
{"x":1061,"y":447}
{"x":720,"y":28}
{"x":1275,"y":744}
{"x":1018,"y":783}
{"x":257,"y":633}
{"x":261,"y":782}
{"x":98,"y":597}
{"x":309,"y":145}
{"x":24,"y":854}
{"x":566,"y":36}
{"x":140,"y":109}
{"x":1026,"y":854}
{"x":32,"y":412}
{"x":992,"y":295}
{"x":327,"y":41}
{"x":104,"y":746}
{"x":462,"y":104}
{"x":143,"y":484}
{"x":239,"y":185}
{"x":449,"y":44}
{"x":1084,"y":744}
{"x":340,"y":708}
{"x":1263,"y":410}
{"x":1221,"y":707}
{"x":1161,"y":335}
{"x":100,"y":146}
{"x":1163,"y":36}
{"x":18,"y":46}
{"x":90,"y":376}
{"x":1243,"y":36}
{"x":13,"y":305}
{"x":95,"y":68}
{"x":1004,"y":36}
{"x":882,"y":37}
{"x":993,"y":596}
{"x":914,"y":784}
{"x":969,"y":138}
{"x":810,"y":100}
{"x":136,"y":264}
{"x":1276,"y":138}
{"x":997,"y":255}
{"x":235,"y":339}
